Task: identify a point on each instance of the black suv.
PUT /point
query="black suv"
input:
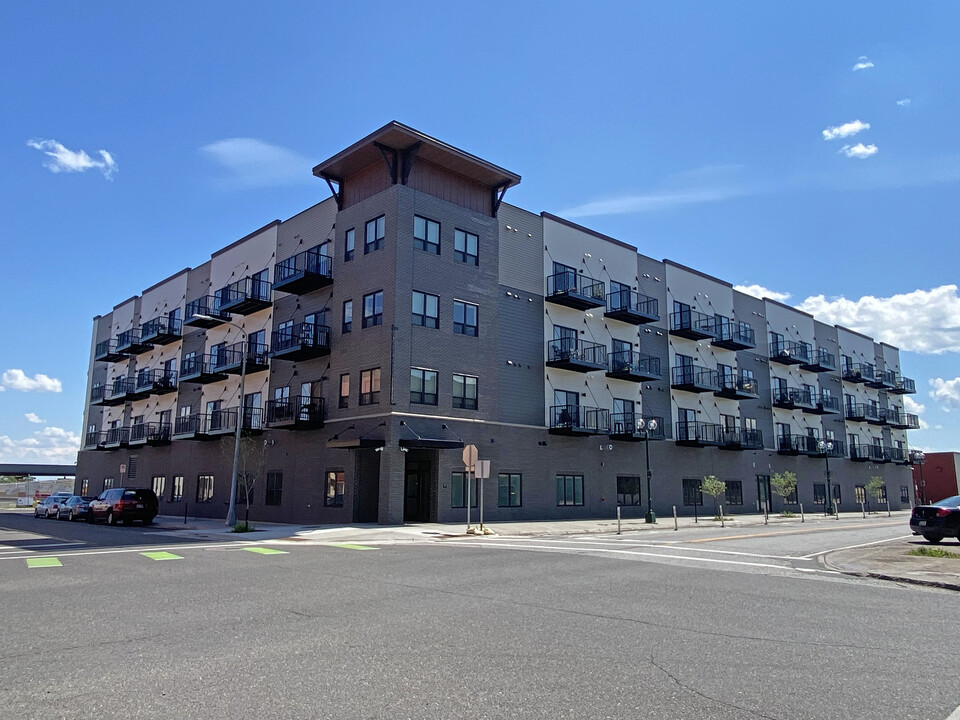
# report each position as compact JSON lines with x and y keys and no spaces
{"x":124,"y":505}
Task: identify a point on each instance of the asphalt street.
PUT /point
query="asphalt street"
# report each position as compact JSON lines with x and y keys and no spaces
{"x":704,"y":623}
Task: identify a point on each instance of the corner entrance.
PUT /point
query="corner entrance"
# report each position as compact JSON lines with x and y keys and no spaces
{"x":764,"y":496}
{"x":418,"y":487}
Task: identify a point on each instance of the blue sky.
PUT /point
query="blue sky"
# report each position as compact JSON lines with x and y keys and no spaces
{"x":811,"y":149}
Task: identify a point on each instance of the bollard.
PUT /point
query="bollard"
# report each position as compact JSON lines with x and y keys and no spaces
{"x":888,"y":507}
{"x":863,"y":511}
{"x":722,"y":521}
{"x":618,"y":519}
{"x":185,"y":503}
{"x":766,"y":515}
{"x":801,"y":513}
{"x":675,"y":525}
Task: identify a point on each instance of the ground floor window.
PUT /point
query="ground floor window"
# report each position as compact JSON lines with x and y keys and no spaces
{"x":628,"y":490}
{"x":84,"y":486}
{"x":458,"y":490}
{"x":904,"y":493}
{"x":204,"y":488}
{"x":508,"y":489}
{"x":859,"y":493}
{"x":836,"y":494}
{"x":157,"y":484}
{"x":336,"y":483}
{"x":734,"y":492}
{"x":819,"y":493}
{"x":569,"y":490}
{"x":274,"y":491}
{"x":691,"y":492}
{"x":107,"y":483}
{"x":176,"y":491}
{"x":882,"y":494}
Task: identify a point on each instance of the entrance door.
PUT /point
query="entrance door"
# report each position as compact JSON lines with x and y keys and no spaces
{"x":415,"y":495}
{"x":763,"y":492}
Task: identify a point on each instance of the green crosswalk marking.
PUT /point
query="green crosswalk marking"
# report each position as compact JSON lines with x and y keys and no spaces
{"x":353,"y":546}
{"x":265,"y":551}
{"x":161,"y":555}
{"x":43,"y":562}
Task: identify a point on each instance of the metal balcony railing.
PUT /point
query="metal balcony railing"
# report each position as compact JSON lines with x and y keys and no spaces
{"x":579,"y":419}
{"x":632,"y":307}
{"x":304,"y":272}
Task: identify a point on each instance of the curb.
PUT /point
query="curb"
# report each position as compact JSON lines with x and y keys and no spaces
{"x":941,"y":584}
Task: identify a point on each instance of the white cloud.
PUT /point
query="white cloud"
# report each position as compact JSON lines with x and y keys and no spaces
{"x":61,"y":159}
{"x":904,"y":102}
{"x":922,"y":321}
{"x":862,"y":63}
{"x":17,"y":380}
{"x":34,"y":418}
{"x":251,"y":163}
{"x":859,"y":150}
{"x":760,"y":291}
{"x":651,"y":202}
{"x":845,"y":130}
{"x":946,"y":392}
{"x":50,"y":445}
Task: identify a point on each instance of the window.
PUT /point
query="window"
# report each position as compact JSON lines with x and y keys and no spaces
{"x":904,"y":493}
{"x":85,"y":486}
{"x":274,"y":490}
{"x":204,"y":488}
{"x":251,"y":411}
{"x":347,"y":324}
{"x":157,"y":484}
{"x":465,"y":318}
{"x":465,"y":247}
{"x":335,"y":486}
{"x":882,"y":494}
{"x":132,"y":465}
{"x":373,"y":240}
{"x":628,"y":490}
{"x":458,"y":490}
{"x":819,"y":493}
{"x":734,"y":494}
{"x":107,"y":483}
{"x":423,"y":386}
{"x":792,"y":499}
{"x":426,"y":310}
{"x":836,"y":494}
{"x":348,"y":243}
{"x":260,"y":285}
{"x":465,"y":392}
{"x":569,"y":490}
{"x":426,"y":234}
{"x":176,"y":490}
{"x":373,"y":309}
{"x":691,"y":492}
{"x":859,"y":494}
{"x":345,"y":390}
{"x":508,"y":490}
{"x":370,"y":387}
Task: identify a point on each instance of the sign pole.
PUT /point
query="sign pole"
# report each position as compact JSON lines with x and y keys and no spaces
{"x":469,"y":465}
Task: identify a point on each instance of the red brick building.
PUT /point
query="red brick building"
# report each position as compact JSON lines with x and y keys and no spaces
{"x":937,"y":477}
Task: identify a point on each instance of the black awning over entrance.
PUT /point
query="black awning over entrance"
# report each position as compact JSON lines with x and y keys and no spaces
{"x":353,"y":439}
{"x":427,"y":434}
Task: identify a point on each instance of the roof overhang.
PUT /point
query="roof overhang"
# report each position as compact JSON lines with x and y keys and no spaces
{"x":426,"y":434}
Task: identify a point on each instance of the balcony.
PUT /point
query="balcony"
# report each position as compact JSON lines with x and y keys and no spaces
{"x":150,"y":434}
{"x":199,"y":369}
{"x":633,"y":366}
{"x":575,"y":291}
{"x":698,"y":434}
{"x":900,"y":420}
{"x":94,"y":440}
{"x":733,"y":335}
{"x":738,"y":439}
{"x":821,"y":361}
{"x":106,"y":351}
{"x":245,"y":296}
{"x":161,"y":330}
{"x":129,"y":343}
{"x":790,"y":352}
{"x":191,"y":427}
{"x":824,"y":405}
{"x":579,"y":420}
{"x":296,"y":413}
{"x":623,"y":426}
{"x":229,"y":359}
{"x":576,"y":355}
{"x":897,"y":455}
{"x":300,"y":342}
{"x":120,"y":391}
{"x":694,"y":378}
{"x":631,"y":307}
{"x":738,"y":387}
{"x":209,"y":308}
{"x":830,"y":449}
{"x":98,"y":394}
{"x":797,"y":445}
{"x":860,"y":373}
{"x":903,"y":386}
{"x":792,"y":398}
{"x":692,"y":325}
{"x":883,"y":380}
{"x":860,"y":412}
{"x":117,"y":438}
{"x":156,"y":382}
{"x":868,"y":453}
{"x":303,"y":273}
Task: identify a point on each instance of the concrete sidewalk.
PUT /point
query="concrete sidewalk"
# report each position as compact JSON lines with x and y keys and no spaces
{"x":891,"y":561}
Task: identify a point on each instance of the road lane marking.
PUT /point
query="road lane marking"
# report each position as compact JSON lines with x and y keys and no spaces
{"x":955,"y":715}
{"x":571,"y":543}
{"x":790,"y":532}
{"x":352,"y":546}
{"x":161,"y":555}
{"x":265,"y":551}
{"x":235,"y":545}
{"x":853,"y":547}
{"x":43,"y":562}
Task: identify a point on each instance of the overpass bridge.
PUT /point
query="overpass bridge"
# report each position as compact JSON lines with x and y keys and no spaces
{"x":24,"y":469}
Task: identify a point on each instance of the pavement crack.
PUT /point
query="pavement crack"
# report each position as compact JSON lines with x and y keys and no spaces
{"x":87,"y":646}
{"x":698,"y":693}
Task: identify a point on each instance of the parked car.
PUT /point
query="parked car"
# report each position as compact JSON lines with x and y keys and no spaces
{"x":124,"y":505}
{"x":74,"y":507}
{"x":42,"y":509}
{"x":937,"y":521}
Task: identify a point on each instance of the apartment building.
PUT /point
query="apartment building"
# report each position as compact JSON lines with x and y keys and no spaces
{"x":364,"y":342}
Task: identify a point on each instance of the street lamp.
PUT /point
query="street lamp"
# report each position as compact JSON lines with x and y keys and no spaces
{"x":826,"y":448}
{"x":645,"y":427}
{"x":232,"y":508}
{"x":918,"y":457}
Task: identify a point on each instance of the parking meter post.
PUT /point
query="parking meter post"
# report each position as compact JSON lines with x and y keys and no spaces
{"x":675,"y":525}
{"x":480,"y":493}
{"x":618,"y":519}
{"x":801,"y":513}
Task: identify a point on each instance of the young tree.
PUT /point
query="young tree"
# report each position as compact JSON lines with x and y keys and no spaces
{"x":874,"y":487}
{"x":249,"y":468}
{"x":711,"y":485}
{"x":784,"y":484}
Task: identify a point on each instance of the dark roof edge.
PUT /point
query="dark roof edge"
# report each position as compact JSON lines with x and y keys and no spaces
{"x":132,"y":297}
{"x":854,"y":332}
{"x":789,"y":307}
{"x":697,"y":272}
{"x":588,"y":231}
{"x":232,"y":245}
{"x":175,"y":275}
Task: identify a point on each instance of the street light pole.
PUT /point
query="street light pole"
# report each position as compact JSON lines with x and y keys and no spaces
{"x":918,"y":457}
{"x":232,"y":507}
{"x":645,"y":427}
{"x":825,"y":448}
